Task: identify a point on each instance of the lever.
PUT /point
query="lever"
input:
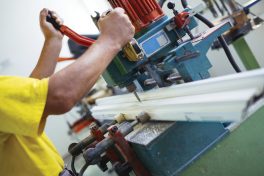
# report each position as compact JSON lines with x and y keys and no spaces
{"x":81,"y":40}
{"x":171,"y":6}
{"x":181,"y":19}
{"x":132,"y":50}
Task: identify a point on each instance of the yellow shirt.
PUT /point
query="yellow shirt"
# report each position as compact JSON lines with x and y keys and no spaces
{"x":24,"y":149}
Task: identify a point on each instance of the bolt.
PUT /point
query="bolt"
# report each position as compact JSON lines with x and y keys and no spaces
{"x":143,"y":117}
{"x":93,"y":126}
{"x":113,"y":129}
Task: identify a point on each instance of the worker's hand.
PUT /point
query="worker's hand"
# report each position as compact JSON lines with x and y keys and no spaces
{"x":47,"y":28}
{"x":117,"y":27}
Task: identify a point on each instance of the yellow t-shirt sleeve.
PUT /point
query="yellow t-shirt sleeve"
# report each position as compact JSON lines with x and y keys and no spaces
{"x":22,"y":103}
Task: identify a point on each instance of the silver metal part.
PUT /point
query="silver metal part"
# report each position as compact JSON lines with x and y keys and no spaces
{"x":136,"y":95}
{"x":148,"y":82}
{"x":144,"y":134}
{"x":174,"y":77}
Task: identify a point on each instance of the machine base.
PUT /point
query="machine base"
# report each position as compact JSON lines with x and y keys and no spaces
{"x":166,"y":148}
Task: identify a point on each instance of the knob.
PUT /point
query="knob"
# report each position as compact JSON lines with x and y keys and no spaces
{"x":171,"y":6}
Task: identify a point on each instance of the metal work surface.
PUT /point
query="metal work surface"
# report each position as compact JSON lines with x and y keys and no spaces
{"x":145,"y":134}
{"x":239,"y":154}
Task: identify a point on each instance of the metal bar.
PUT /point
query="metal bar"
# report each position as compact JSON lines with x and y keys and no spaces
{"x":245,"y":54}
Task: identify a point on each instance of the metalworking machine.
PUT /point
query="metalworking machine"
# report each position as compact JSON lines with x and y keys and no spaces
{"x":163,"y":52}
{"x":161,"y":47}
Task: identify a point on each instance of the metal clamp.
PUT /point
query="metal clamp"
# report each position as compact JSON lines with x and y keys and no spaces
{"x":133,"y":51}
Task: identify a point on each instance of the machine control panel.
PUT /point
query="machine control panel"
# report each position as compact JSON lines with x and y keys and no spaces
{"x":155,"y":43}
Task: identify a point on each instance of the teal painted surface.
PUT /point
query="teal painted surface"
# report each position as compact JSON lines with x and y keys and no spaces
{"x":177,"y":147}
{"x":122,"y":72}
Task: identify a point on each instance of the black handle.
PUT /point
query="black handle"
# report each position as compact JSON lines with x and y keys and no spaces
{"x":51,"y":20}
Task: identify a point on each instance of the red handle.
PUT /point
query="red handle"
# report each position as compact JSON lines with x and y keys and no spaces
{"x":61,"y":59}
{"x":84,"y":41}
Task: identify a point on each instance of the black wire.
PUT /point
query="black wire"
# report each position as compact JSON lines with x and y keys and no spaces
{"x":83,"y":169}
{"x":220,"y":38}
{"x":73,"y":166}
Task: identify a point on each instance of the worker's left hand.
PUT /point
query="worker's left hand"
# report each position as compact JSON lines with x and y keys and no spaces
{"x":47,"y":28}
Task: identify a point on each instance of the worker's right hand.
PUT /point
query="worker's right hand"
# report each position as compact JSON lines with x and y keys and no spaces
{"x":117,"y":27}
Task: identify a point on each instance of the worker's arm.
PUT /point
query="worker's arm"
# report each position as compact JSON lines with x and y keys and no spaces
{"x":52,"y":46}
{"x":69,"y":85}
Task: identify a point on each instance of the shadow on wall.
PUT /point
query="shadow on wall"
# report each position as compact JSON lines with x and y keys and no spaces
{"x":4,"y":64}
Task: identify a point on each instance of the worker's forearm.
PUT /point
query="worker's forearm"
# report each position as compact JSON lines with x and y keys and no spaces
{"x":48,"y":59}
{"x":77,"y":79}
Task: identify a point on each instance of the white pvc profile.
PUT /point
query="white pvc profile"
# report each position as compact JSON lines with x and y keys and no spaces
{"x":223,"y":107}
{"x":223,"y":99}
{"x":251,"y":79}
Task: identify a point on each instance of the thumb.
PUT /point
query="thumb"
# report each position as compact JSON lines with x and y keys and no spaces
{"x":43,"y":15}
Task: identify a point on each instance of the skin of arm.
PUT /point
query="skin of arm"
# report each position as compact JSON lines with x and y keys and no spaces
{"x":69,"y":85}
{"x":52,"y":46}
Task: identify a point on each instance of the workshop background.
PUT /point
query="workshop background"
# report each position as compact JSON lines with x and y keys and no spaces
{"x":22,"y":40}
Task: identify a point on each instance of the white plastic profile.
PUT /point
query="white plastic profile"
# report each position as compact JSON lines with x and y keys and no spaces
{"x":223,"y":99}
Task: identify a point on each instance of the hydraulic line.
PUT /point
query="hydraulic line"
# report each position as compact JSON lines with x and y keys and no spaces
{"x":220,"y":38}
{"x":83,"y":169}
{"x":73,"y":166}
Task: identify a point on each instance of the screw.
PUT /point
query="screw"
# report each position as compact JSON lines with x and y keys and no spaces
{"x":93,"y":126}
{"x":113,"y":129}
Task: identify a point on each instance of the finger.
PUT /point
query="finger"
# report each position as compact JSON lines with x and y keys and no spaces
{"x":133,"y":30}
{"x":99,"y":22}
{"x":54,"y":14}
{"x":44,"y":11}
{"x":59,"y":21}
{"x":119,"y":10}
{"x":126,"y":17}
{"x":43,"y":14}
{"x":56,"y":17}
{"x":104,"y":14}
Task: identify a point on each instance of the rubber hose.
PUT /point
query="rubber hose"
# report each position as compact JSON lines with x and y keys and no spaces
{"x":220,"y":38}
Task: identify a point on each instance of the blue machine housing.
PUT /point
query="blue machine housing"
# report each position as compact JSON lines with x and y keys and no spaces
{"x":174,"y":146}
{"x":122,"y":72}
{"x":162,"y":42}
{"x":190,"y":57}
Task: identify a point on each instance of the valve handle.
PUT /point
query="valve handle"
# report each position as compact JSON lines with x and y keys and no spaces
{"x":171,"y":6}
